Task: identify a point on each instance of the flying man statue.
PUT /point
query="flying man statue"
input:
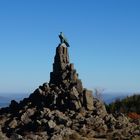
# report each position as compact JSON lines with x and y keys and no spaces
{"x":63,"y":39}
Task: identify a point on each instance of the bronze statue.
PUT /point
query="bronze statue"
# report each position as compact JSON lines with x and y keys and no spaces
{"x":63,"y":39}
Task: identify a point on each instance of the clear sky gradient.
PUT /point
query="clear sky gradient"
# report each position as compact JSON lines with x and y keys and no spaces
{"x":104,"y":38}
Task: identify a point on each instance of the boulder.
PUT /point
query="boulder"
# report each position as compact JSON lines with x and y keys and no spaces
{"x":13,"y":123}
{"x":88,"y":99}
{"x":74,"y":95}
{"x":74,"y":105}
{"x":46,"y":87}
{"x":51,"y":124}
{"x":71,"y":66}
{"x":25,"y":117}
{"x":79,"y":86}
{"x":2,"y":135}
{"x":16,"y":137}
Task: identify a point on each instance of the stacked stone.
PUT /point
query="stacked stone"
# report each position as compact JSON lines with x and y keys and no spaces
{"x":65,"y":77}
{"x":64,"y":73}
{"x":61,"y":62}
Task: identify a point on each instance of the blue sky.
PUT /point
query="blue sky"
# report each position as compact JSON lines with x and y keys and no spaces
{"x":104,"y":36}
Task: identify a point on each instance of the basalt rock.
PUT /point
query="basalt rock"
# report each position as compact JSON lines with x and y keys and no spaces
{"x":64,"y":73}
{"x":64,"y":110}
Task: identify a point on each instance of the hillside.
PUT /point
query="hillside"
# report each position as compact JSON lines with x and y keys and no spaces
{"x":127,"y":105}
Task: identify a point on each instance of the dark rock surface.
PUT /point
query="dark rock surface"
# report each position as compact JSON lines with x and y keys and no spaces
{"x":63,"y":110}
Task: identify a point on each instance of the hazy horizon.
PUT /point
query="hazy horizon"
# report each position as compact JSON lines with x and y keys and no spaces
{"x":106,"y":97}
{"x":104,"y":39}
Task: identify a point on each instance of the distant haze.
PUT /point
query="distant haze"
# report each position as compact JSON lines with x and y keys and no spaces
{"x":106,"y":97}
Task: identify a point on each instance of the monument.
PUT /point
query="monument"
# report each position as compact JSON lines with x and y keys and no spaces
{"x":63,"y":110}
{"x":63,"y":39}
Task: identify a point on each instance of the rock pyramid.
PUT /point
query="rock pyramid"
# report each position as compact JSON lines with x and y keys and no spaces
{"x":64,"y":77}
{"x":63,"y":110}
{"x":65,"y":90}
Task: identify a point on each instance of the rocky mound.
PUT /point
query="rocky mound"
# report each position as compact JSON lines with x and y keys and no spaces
{"x":63,"y":110}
